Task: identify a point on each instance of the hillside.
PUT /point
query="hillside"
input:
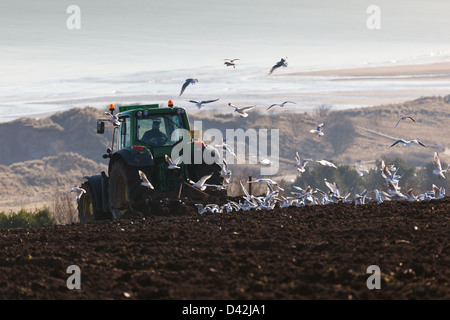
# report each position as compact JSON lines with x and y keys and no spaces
{"x":38,"y":182}
{"x":351,"y":136}
{"x":69,"y":131}
{"x":40,"y":156}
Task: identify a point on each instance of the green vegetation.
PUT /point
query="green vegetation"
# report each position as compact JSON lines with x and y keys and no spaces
{"x":24,"y":218}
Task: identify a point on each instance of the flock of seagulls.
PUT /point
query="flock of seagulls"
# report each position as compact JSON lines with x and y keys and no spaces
{"x":300,"y":197}
{"x":242,"y":111}
{"x":306,"y":197}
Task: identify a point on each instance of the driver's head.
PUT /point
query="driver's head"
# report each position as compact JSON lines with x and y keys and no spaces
{"x":156,"y":124}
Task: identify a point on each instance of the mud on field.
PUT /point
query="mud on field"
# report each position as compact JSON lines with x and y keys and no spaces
{"x":317,"y":252}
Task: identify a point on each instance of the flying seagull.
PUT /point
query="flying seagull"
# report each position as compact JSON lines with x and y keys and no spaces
{"x":280,"y":104}
{"x":408,"y":143}
{"x":230,"y":62}
{"x":200,"y":184}
{"x":113,"y":119}
{"x":404,"y":118}
{"x":200,"y":104}
{"x":318,"y":130}
{"x":173,"y":164}
{"x":227,"y":148}
{"x":281,"y":63}
{"x":301,"y":164}
{"x":144,"y":180}
{"x":241,"y":111}
{"x":186,"y":83}
{"x":326,"y":163}
{"x":268,"y":181}
{"x":438,"y":168}
{"x":79,"y":191}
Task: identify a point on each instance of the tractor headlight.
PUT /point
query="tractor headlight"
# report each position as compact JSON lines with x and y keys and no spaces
{"x":145,"y":113}
{"x":139,"y":114}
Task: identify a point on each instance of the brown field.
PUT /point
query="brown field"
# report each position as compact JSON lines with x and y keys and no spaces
{"x":309,"y":253}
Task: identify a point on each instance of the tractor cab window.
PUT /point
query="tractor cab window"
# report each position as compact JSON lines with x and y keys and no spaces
{"x":157,"y":130}
{"x":124,"y":134}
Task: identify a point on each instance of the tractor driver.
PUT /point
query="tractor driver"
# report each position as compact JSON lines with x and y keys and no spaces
{"x":154,"y":136}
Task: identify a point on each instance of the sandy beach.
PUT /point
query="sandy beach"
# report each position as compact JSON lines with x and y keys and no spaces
{"x":430,"y":71}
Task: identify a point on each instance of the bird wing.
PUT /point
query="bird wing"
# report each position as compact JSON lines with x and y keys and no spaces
{"x":177,"y":160}
{"x":168,"y":160}
{"x":411,"y":118}
{"x":326,"y":163}
{"x":398,"y":122}
{"x":275,"y":104}
{"x":396,"y":142}
{"x":209,"y":101}
{"x":194,"y":101}
{"x":185,"y":84}
{"x":204,"y":178}
{"x":297,"y":157}
{"x":144,"y":179}
{"x":419,"y":142}
{"x":233,"y":106}
{"x":437,"y":162}
{"x":287,"y":102}
{"x":319,"y":127}
{"x":247,"y":108}
{"x":329,"y":185}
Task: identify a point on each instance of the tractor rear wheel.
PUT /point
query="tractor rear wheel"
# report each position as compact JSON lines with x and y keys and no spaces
{"x":125,"y":188}
{"x":86,"y":205}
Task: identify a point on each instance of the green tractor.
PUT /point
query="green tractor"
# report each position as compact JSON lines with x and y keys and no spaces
{"x":142,"y":137}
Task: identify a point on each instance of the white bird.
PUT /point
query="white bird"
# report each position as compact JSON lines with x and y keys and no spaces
{"x":201,"y":208}
{"x":326,"y":163}
{"x":113,"y":119}
{"x":225,"y":173}
{"x":230,"y":62}
{"x":264,"y":161}
{"x":225,"y":147}
{"x":410,"y":196}
{"x":438,"y":167}
{"x":280,"y":104}
{"x":173,"y":164}
{"x":247,"y":196}
{"x":200,"y":184}
{"x":144,"y":180}
{"x":333,"y":187}
{"x":318,"y":130}
{"x":241,"y":111}
{"x":301,"y":164}
{"x":268,"y":181}
{"x":404,"y":118}
{"x":79,"y":191}
{"x":281,"y":63}
{"x":408,"y":143}
{"x":186,"y":83}
{"x":219,"y":186}
{"x":200,"y":104}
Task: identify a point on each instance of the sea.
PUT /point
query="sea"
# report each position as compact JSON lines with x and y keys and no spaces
{"x":59,"y":54}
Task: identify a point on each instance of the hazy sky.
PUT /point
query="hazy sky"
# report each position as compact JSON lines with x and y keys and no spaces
{"x":118,"y":35}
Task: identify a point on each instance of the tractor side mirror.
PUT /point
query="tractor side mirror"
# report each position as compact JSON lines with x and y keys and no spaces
{"x":100,"y":127}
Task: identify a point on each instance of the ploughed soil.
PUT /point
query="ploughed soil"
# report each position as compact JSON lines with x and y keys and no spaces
{"x":317,"y":252}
